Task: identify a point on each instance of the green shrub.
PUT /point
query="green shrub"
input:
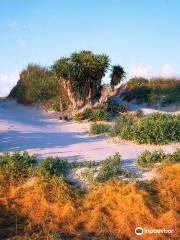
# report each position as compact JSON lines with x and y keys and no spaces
{"x":89,"y":164}
{"x":98,"y":115}
{"x":123,"y":127}
{"x":16,"y":167}
{"x":174,"y":157}
{"x":148,"y":159}
{"x":87,"y":113}
{"x":77,"y":117}
{"x":75,"y":163}
{"x":136,"y":82}
{"x":109,"y":168}
{"x":139,"y":113}
{"x":156,"y":90}
{"x":157,"y":128}
{"x":98,"y":128}
{"x":52,"y":167}
{"x":93,"y":115}
{"x":36,"y":84}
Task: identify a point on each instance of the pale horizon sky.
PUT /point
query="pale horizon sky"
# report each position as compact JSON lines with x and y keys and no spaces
{"x":142,"y":36}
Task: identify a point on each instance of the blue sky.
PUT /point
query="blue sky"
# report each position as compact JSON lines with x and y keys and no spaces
{"x":141,"y":35}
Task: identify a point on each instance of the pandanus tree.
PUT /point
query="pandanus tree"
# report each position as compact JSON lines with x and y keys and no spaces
{"x":117,"y":75}
{"x":80,"y":75}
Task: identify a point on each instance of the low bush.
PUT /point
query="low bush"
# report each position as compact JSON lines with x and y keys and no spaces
{"x":148,"y":159}
{"x":123,"y":127}
{"x":137,"y":82}
{"x":52,"y":167}
{"x":94,"y":115}
{"x":156,"y":90}
{"x":36,"y":84}
{"x":173,"y":158}
{"x":98,"y":128}
{"x":15,"y":168}
{"x":77,"y":117}
{"x":139,"y":113}
{"x":109,"y":168}
{"x":89,"y":164}
{"x":156,"y":128}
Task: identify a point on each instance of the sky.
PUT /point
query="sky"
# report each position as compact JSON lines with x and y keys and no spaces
{"x":143,"y":36}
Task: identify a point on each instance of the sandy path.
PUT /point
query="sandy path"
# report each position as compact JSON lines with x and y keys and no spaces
{"x":29,"y":129}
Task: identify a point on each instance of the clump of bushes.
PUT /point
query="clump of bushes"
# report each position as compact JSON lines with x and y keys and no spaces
{"x":148,"y":159}
{"x":156,"y":90}
{"x":93,"y":115}
{"x":109,"y":168}
{"x":156,"y":128}
{"x":52,"y":167}
{"x":36,"y":84}
{"x":109,"y":110}
{"x":89,"y":164}
{"x":16,"y":167}
{"x":98,"y":128}
{"x":139,"y":113}
{"x":123,"y":127}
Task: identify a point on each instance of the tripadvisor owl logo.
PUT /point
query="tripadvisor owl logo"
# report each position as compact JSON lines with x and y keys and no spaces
{"x":138,"y":230}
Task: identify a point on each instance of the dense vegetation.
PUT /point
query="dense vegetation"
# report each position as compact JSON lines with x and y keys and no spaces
{"x":36,"y":84}
{"x":107,"y":111}
{"x":156,"y":128}
{"x":148,"y":159}
{"x":93,"y":115}
{"x":157,"y":90}
{"x":70,"y":83}
{"x":109,"y":168}
{"x":46,"y":206}
{"x":15,"y":168}
{"x":98,"y":128}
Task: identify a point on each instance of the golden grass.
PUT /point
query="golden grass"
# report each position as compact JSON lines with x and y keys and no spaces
{"x":111,"y":211}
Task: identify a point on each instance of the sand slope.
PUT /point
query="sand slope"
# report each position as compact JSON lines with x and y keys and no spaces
{"x":30,"y":129}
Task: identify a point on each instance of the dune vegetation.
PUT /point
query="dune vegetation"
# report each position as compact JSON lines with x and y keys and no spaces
{"x":155,"y":128}
{"x":37,"y":202}
{"x":158,"y":90}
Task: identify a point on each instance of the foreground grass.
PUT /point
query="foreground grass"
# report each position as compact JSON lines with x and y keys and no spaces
{"x":43,"y":205}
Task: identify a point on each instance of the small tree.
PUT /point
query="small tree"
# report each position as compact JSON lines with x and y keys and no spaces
{"x":117,"y":75}
{"x":80,"y":75}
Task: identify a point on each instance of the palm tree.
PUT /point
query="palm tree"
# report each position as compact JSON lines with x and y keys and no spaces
{"x":117,"y":75}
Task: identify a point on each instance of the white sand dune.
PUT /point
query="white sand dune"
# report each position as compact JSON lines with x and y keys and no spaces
{"x":30,"y":129}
